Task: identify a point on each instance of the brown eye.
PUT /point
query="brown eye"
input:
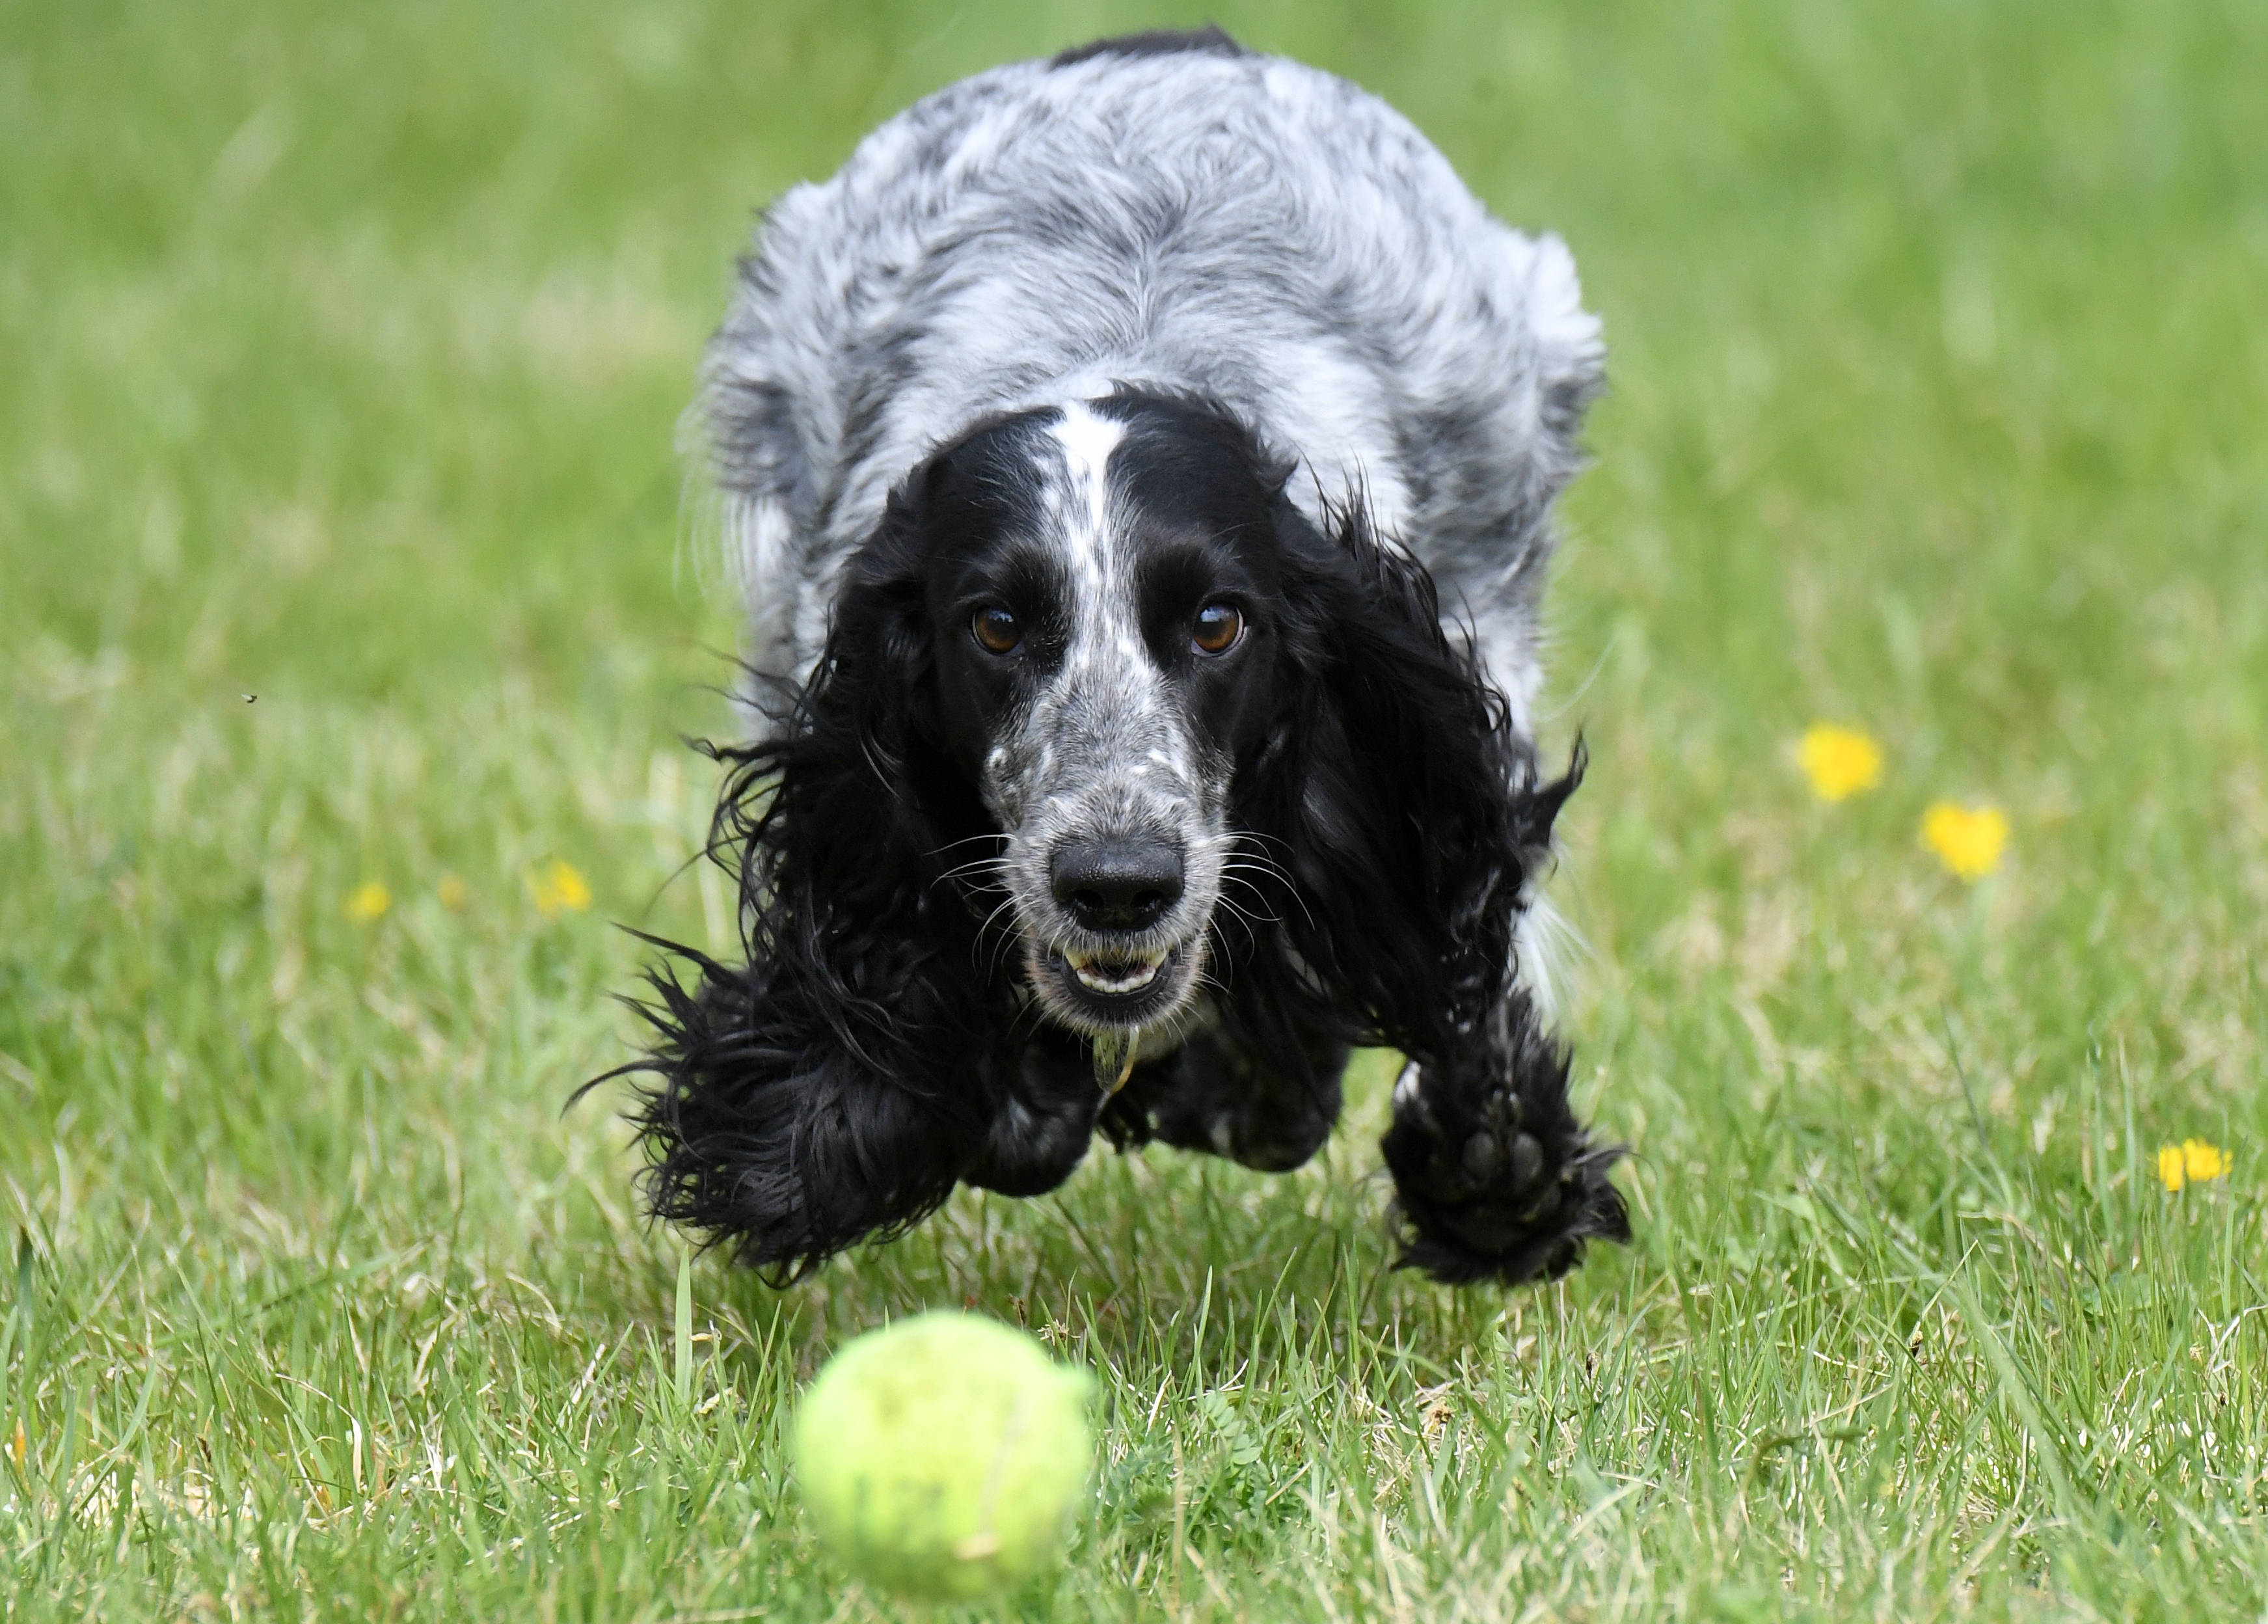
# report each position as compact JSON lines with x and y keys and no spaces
{"x":1218,"y":628}
{"x":996,"y":628}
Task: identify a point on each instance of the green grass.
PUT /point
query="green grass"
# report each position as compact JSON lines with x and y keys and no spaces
{"x":343,"y":350}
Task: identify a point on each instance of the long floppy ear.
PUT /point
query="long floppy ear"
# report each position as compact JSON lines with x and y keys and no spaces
{"x":1394,"y":781}
{"x":1409,"y":817}
{"x":828,"y":1089}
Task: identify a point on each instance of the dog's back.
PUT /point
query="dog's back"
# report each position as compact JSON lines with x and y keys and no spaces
{"x":1175,"y":213}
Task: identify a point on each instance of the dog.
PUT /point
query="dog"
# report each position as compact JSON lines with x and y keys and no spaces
{"x":1139,"y":465}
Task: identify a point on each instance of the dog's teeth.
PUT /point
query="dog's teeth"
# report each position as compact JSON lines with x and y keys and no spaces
{"x":1103,"y":973}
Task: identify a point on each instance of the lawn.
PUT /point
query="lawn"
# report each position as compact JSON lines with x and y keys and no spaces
{"x":349,"y":588}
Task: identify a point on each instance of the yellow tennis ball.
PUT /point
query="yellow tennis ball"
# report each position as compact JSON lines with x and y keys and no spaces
{"x":943,"y":1456}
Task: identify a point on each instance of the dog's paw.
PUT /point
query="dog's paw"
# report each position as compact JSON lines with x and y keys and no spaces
{"x":1213,"y":1096}
{"x":1042,"y":1119}
{"x":1495,"y":1178}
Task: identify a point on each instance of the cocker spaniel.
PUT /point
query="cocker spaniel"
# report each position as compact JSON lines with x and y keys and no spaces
{"x":1138,"y":464}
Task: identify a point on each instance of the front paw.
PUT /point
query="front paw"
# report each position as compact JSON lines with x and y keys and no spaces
{"x":1212,"y":1095}
{"x":1496,"y":1179}
{"x":1042,"y":1121}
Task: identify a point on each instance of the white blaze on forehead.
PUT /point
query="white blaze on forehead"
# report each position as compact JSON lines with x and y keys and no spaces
{"x":1102,"y":608}
{"x":1087,"y":438}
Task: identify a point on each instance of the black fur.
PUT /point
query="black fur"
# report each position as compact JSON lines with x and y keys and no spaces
{"x":1495,"y":1178}
{"x":879,"y":1045}
{"x":1212,"y":39}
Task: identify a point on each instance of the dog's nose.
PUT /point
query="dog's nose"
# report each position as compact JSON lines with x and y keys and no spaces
{"x":1117,"y":884}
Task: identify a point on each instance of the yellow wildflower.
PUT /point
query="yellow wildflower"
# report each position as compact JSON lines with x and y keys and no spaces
{"x":2190,"y":1162}
{"x":19,"y":1445}
{"x":452,"y":893}
{"x":1968,"y":839}
{"x":558,"y":885}
{"x":368,"y":902}
{"x":1840,"y":762}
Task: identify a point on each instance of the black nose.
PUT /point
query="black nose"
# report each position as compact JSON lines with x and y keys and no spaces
{"x":1117,"y":884}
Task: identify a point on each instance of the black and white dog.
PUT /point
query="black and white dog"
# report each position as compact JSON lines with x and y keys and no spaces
{"x":1139,"y":465}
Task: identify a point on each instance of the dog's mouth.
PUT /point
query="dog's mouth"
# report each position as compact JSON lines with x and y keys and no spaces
{"x":1115,"y":975}
{"x":1112,"y":988}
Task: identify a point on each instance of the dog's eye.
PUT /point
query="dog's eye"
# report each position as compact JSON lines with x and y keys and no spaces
{"x":1218,"y":628}
{"x":996,"y":628}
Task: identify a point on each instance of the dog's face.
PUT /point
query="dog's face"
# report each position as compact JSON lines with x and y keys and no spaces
{"x":1101,"y":586}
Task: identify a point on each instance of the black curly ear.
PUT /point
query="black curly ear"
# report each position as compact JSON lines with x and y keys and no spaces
{"x":832,"y":1086}
{"x":1390,"y":789}
{"x":1407,"y":817}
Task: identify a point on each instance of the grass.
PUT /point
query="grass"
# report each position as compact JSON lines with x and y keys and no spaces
{"x":344,"y":350}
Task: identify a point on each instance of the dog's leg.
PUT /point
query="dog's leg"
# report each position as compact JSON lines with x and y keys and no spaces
{"x":1216,"y":1093}
{"x":1495,"y":1177}
{"x":769,"y":1134}
{"x":1041,"y":1130}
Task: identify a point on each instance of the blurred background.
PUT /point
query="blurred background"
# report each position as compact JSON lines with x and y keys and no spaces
{"x":353,"y":610}
{"x":348,"y":342}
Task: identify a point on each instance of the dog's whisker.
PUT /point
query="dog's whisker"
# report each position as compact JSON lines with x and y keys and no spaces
{"x":1237,"y":868}
{"x":966,"y":840}
{"x":1251,"y":938}
{"x":1259,"y":898}
{"x":995,"y":866}
{"x":1257,"y":865}
{"x":1240,"y":855}
{"x":1004,"y":941}
{"x":1249,"y":864}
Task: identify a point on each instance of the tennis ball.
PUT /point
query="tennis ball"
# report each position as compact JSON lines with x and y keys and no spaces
{"x":941,"y":1456}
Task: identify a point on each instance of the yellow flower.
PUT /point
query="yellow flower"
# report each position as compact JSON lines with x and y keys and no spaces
{"x":452,"y":893}
{"x":2201,"y":1160}
{"x":2190,"y":1162}
{"x":368,"y":902}
{"x":20,"y":1444}
{"x":1840,"y":762}
{"x":558,"y":885}
{"x":1969,"y":840}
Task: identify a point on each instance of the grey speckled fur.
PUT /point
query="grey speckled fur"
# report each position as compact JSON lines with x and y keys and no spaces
{"x":1228,"y":225}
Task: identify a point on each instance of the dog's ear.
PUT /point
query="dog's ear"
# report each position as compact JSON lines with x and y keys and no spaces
{"x":1408,"y":811}
{"x":822,"y":1091}
{"x":1411,"y":817}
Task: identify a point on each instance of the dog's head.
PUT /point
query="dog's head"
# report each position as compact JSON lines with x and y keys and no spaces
{"x":1100,"y":597}
{"x":1097,"y":670}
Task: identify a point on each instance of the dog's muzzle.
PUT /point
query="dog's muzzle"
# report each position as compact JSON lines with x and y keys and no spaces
{"x":1119,"y":966}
